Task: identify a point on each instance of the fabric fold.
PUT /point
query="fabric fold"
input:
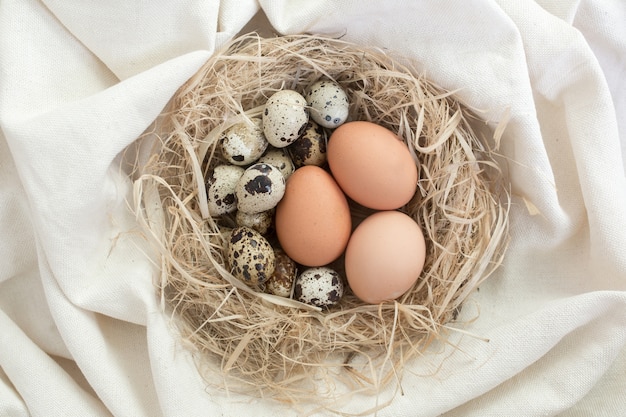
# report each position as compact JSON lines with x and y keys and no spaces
{"x":79,"y":84}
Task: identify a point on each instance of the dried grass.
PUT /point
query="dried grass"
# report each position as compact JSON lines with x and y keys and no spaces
{"x":277,"y":347}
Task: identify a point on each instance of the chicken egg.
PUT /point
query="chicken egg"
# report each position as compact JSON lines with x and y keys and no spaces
{"x":313,"y":220}
{"x":372,"y":165}
{"x":385,"y":256}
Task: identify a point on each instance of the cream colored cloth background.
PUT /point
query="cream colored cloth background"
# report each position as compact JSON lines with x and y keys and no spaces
{"x":81,"y":330}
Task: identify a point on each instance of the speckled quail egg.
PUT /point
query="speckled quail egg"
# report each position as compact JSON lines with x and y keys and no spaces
{"x":244,"y":142}
{"x":260,"y":188}
{"x":319,"y":286}
{"x":250,"y":256}
{"x":261,"y":222}
{"x":329,"y":103}
{"x":221,"y":189}
{"x":285,"y":117}
{"x":281,"y":281}
{"x":279,"y":158}
{"x":310,"y":148}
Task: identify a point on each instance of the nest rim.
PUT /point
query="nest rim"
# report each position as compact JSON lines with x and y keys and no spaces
{"x":388,"y":335}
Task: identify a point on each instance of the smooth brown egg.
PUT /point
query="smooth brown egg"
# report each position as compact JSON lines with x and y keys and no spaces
{"x":385,"y":256}
{"x":372,"y":165}
{"x":313,"y":221}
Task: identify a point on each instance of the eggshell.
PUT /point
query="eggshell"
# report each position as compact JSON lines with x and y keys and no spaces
{"x":261,"y":222}
{"x":259,"y":189}
{"x":279,"y":158}
{"x":320,"y":286}
{"x":329,"y":103}
{"x":250,"y":256}
{"x":285,"y":117}
{"x":385,"y":256}
{"x":244,"y":142}
{"x":285,"y":272}
{"x":313,"y":221}
{"x":221,"y":189}
{"x":310,"y":148}
{"x":372,"y":165}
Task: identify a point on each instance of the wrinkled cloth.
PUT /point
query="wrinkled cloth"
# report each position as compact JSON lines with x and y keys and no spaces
{"x":82,"y":331}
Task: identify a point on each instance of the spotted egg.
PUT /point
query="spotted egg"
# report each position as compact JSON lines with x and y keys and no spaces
{"x":319,"y":286}
{"x":244,"y":142}
{"x":250,"y":256}
{"x":261,"y":222}
{"x":279,"y":158}
{"x":260,"y":188}
{"x":329,"y":103}
{"x":281,"y":281}
{"x":221,"y":186}
{"x":310,"y":148}
{"x":285,"y":117}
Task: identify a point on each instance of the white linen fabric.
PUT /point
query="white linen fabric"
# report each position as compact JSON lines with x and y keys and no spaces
{"x":82,"y":332}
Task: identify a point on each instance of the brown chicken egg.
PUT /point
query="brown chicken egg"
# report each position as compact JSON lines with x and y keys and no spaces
{"x":385,"y":256}
{"x":372,"y":165}
{"x":313,"y":221}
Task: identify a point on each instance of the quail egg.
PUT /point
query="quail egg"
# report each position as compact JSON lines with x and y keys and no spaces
{"x":261,"y":222}
{"x":280,"y":159}
{"x":221,"y":189}
{"x":285,"y":117}
{"x":329,"y":103}
{"x":250,"y":256}
{"x":260,"y":188}
{"x":244,"y":142}
{"x":310,"y":148}
{"x":281,"y":281}
{"x":319,"y":286}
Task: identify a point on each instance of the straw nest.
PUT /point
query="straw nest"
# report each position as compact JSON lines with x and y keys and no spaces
{"x":275,"y":346}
